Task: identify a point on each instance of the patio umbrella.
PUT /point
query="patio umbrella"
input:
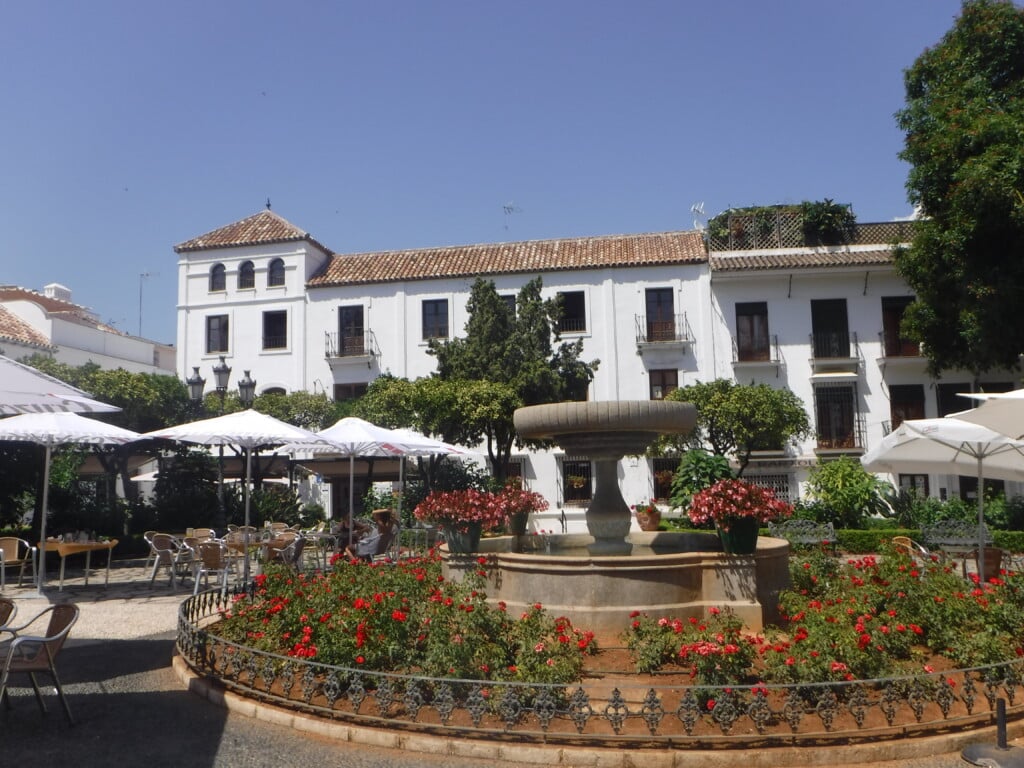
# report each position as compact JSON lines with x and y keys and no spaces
{"x":25,"y":390}
{"x":999,"y":411}
{"x":247,"y":430}
{"x":354,"y":437}
{"x":51,"y":429}
{"x":950,"y":446}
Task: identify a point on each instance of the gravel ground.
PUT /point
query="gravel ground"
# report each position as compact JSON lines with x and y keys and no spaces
{"x":132,"y":709}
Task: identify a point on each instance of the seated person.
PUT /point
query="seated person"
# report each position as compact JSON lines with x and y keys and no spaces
{"x":340,"y":531}
{"x":375,"y":541}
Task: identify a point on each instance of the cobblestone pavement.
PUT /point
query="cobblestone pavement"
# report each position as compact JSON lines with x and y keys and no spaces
{"x":133,"y":710}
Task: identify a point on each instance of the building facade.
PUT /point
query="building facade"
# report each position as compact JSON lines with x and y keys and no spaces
{"x":658,"y":310}
{"x":50,"y":323}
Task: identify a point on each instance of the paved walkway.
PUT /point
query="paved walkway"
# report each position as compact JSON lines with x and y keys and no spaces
{"x":132,"y":709}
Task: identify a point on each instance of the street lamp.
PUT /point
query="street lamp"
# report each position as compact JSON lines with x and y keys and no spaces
{"x":221,"y":373}
{"x":195,"y":383}
{"x":246,"y":389}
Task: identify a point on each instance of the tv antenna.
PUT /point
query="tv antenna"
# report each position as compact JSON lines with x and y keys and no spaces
{"x":509,"y":208}
{"x":143,"y":276}
{"x":699,"y":219}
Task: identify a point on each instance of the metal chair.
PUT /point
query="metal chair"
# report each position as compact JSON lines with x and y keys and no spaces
{"x":167,"y":553}
{"x":8,"y":610}
{"x":16,"y":553}
{"x":34,"y":654}
{"x":213,"y":560}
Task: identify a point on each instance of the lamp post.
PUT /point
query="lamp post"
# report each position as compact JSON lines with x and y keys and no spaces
{"x":221,"y":374}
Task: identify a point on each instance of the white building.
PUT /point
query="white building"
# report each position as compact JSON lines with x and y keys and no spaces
{"x":658,"y":310}
{"x":50,"y":323}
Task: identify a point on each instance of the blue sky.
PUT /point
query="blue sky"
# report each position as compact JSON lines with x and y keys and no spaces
{"x":128,"y":127}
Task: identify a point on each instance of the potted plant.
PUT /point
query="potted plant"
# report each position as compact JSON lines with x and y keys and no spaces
{"x":463,"y":515}
{"x":648,"y":516}
{"x":737,"y":509}
{"x":519,"y":504}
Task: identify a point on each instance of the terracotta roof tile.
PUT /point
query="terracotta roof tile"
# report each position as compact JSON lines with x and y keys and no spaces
{"x":744,"y":261}
{"x":14,"y":328}
{"x":65,"y":310}
{"x":261,"y":228}
{"x":527,"y":256}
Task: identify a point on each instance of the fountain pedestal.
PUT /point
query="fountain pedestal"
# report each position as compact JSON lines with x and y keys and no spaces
{"x":605,"y":431}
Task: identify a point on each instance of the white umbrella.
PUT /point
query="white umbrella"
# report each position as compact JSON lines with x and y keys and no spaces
{"x":354,"y":437}
{"x":247,"y":430}
{"x":25,"y":390}
{"x":950,"y":446}
{"x":1000,"y":411}
{"x":50,"y":429}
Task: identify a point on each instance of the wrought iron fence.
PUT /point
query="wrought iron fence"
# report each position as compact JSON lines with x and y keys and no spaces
{"x":610,"y":711}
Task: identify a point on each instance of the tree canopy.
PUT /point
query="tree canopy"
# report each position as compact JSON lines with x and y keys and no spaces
{"x":964,"y":126}
{"x":513,"y":347}
{"x":737,"y":419}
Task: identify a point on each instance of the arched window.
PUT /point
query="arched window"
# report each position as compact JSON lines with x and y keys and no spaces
{"x":275,"y":273}
{"x":217,"y":279}
{"x":246,"y":275}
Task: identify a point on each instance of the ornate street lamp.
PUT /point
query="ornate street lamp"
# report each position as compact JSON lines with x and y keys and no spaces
{"x":195,"y":384}
{"x":247,"y":390}
{"x":221,"y":373}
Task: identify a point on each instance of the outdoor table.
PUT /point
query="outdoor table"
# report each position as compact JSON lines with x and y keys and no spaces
{"x":65,"y":548}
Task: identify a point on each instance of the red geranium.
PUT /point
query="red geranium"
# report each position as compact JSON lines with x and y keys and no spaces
{"x":727,"y":501}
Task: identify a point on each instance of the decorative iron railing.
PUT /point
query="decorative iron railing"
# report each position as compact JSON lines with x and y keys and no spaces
{"x":671,"y":329}
{"x":610,"y":710}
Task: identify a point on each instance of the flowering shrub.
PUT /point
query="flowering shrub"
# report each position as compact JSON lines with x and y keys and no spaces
{"x":729,"y":500}
{"x":456,"y":509}
{"x":715,"y":649}
{"x":405,"y":618}
{"x":516,"y":500}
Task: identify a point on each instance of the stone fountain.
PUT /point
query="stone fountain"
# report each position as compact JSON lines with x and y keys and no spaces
{"x":605,"y":431}
{"x":598,"y":580}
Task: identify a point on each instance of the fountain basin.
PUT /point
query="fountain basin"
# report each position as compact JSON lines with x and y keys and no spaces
{"x":673,"y":574}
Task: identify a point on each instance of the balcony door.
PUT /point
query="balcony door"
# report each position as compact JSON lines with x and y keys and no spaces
{"x":661,"y":315}
{"x":351,"y":331}
{"x":830,"y":328}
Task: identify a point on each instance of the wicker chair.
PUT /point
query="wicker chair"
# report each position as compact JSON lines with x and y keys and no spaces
{"x":16,"y":553}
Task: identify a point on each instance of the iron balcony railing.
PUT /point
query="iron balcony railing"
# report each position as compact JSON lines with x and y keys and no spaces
{"x":673,"y":329}
{"x":757,"y":353}
{"x":894,"y":345}
{"x":833,"y":345}
{"x":338,"y":345}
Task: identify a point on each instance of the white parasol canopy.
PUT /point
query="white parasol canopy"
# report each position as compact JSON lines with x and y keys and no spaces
{"x":1000,"y":411}
{"x":950,"y":446}
{"x":247,"y":430}
{"x":354,"y":437}
{"x":23,"y":389}
{"x":49,"y":430}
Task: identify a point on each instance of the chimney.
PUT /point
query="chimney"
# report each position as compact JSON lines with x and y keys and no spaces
{"x":57,"y":291}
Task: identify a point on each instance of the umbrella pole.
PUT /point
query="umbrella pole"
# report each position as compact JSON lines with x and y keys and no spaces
{"x":351,"y":494}
{"x":41,"y":554}
{"x":981,"y":523}
{"x":248,"y":476}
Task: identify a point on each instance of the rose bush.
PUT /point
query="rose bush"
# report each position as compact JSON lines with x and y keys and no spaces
{"x":404,"y":618}
{"x":729,"y":500}
{"x":457,"y":509}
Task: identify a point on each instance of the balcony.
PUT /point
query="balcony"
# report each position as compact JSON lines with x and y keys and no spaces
{"x":757,"y":355}
{"x":350,"y":349}
{"x":834,"y":351}
{"x":898,"y":351}
{"x":668,"y":334}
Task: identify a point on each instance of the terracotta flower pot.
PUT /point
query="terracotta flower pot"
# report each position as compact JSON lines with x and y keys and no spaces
{"x":649,"y":521}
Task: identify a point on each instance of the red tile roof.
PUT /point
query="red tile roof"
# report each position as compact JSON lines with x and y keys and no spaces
{"x":528,"y":256}
{"x":262,"y":228}
{"x":64,"y":310}
{"x":13,"y":328}
{"x":742,"y":261}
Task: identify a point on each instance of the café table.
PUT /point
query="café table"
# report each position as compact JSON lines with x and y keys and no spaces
{"x":65,"y":548}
